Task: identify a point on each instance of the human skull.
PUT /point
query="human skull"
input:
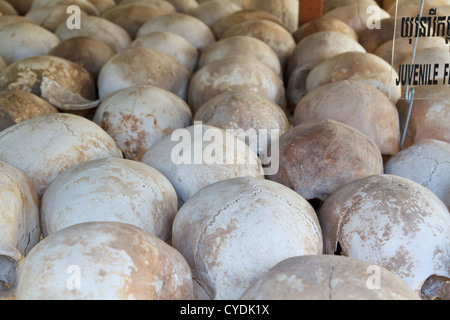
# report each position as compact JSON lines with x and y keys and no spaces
{"x":104,"y":261}
{"x":19,"y":224}
{"x":329,"y":277}
{"x":392,"y":222}
{"x":45,"y":146}
{"x":111,"y":189}
{"x":190,"y":164}
{"x":234,"y":231}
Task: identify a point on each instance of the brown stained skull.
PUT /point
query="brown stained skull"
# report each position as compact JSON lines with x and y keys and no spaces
{"x":104,"y":261}
{"x":232,"y":238}
{"x":392,"y":222}
{"x":22,"y":105}
{"x":45,"y":146}
{"x":19,"y":225}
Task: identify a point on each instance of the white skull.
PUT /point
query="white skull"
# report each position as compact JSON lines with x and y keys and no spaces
{"x":104,"y":260}
{"x":193,"y":164}
{"x":328,"y":277}
{"x":110,"y":189}
{"x":324,"y":45}
{"x":392,"y":222}
{"x":45,"y":146}
{"x":19,"y":224}
{"x":234,"y":231}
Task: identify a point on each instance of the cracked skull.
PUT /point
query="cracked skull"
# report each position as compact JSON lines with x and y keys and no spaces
{"x":111,"y":189}
{"x":329,"y":277}
{"x":45,"y":146}
{"x":192,"y":164}
{"x":392,"y":222}
{"x":104,"y":261}
{"x":64,"y":84}
{"x":427,"y":162}
{"x":231,"y":239}
{"x":19,"y":224}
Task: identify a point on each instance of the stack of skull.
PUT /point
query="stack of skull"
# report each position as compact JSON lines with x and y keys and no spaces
{"x":214,"y":149}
